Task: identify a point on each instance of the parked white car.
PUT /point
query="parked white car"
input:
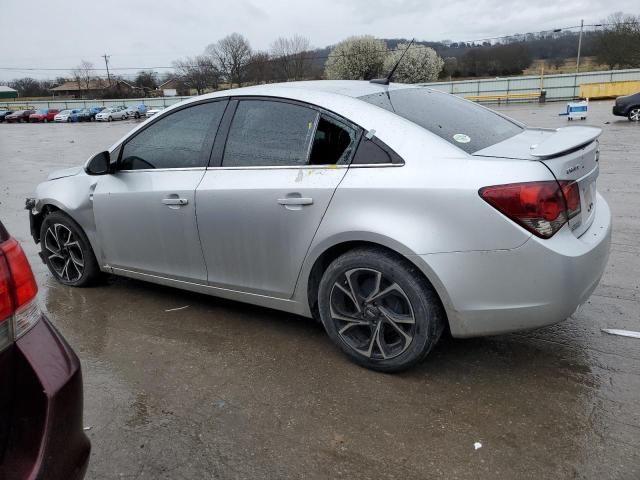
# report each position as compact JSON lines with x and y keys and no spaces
{"x":64,"y":115}
{"x":112,"y":113}
{"x":152,"y":111}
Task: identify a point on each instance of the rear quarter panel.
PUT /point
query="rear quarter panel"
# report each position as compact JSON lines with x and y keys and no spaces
{"x":429,"y":205}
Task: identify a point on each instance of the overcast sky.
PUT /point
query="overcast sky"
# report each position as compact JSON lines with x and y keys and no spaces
{"x":141,"y":33}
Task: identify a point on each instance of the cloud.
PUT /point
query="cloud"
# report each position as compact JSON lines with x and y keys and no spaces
{"x":154,"y":33}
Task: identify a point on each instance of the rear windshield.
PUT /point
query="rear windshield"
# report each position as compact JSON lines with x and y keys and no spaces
{"x":464,"y":124}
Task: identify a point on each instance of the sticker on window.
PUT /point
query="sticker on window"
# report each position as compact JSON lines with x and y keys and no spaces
{"x":461,"y":138}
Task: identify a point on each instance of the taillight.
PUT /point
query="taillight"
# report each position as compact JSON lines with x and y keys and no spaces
{"x":571,"y":193}
{"x":540,"y":207}
{"x":18,"y":289}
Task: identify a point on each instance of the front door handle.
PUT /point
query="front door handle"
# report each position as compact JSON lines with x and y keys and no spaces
{"x":295,"y":201}
{"x":175,"y":201}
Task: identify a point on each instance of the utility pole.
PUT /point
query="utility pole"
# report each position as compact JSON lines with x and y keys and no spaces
{"x":579,"y":46}
{"x":106,"y":63}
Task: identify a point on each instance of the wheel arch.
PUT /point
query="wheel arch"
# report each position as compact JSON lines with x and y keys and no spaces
{"x":317,"y":265}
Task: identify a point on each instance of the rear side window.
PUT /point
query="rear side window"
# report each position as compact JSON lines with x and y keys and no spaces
{"x":464,"y":124}
{"x":269,"y":133}
{"x":180,"y":140}
{"x":333,"y":142}
{"x":374,"y":152}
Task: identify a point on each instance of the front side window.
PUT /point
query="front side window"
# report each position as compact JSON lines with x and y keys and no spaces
{"x":179,"y":140}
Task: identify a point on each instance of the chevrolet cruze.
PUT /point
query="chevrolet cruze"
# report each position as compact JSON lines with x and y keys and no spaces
{"x":388,"y":212}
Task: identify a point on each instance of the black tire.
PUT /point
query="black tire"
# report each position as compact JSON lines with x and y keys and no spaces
{"x":418,"y":311}
{"x":634,"y":114}
{"x":72,"y":256}
{"x":110,"y":119}
{"x":137,"y":115}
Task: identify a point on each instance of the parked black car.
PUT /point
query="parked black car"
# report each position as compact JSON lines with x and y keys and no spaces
{"x":4,"y":113}
{"x":628,"y":106}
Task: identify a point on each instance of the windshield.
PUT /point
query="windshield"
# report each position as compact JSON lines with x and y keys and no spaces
{"x":65,"y":112}
{"x":464,"y":124}
{"x":43,"y":111}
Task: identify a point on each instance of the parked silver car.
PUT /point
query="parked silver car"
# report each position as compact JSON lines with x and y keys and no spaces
{"x":388,"y":212}
{"x":112,"y":113}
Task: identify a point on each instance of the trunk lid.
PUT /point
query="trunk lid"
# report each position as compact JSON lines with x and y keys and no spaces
{"x":570,"y":153}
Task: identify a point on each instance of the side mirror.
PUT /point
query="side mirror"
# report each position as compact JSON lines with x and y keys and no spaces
{"x":99,"y":164}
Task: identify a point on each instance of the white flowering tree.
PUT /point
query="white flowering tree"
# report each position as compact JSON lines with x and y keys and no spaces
{"x":420,"y":64}
{"x":356,"y":58}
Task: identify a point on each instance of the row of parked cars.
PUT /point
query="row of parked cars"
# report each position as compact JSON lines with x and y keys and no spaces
{"x":101,"y":114}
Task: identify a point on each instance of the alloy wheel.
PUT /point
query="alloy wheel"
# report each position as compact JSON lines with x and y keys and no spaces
{"x":64,"y":253}
{"x":372,"y":314}
{"x":634,"y":115}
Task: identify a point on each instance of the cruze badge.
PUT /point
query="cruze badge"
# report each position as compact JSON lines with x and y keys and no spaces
{"x":573,"y":169}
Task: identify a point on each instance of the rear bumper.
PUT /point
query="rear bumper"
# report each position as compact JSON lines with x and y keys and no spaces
{"x":539,"y":283}
{"x":46,"y":435}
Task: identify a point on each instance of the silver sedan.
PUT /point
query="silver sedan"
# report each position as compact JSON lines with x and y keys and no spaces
{"x":389,"y":213}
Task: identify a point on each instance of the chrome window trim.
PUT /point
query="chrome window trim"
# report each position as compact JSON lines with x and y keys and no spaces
{"x":283,"y":167}
{"x":177,"y":169}
{"x":306,"y":167}
{"x":374,"y":165}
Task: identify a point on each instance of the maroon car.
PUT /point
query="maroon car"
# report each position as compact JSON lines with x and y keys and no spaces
{"x":41,"y":430}
{"x":19,"y":116}
{"x":44,"y":115}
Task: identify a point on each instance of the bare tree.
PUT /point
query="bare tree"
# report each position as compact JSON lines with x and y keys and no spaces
{"x":260,"y":68}
{"x":198,"y":73}
{"x":83,"y":74}
{"x":86,"y":73}
{"x":291,"y":57}
{"x":619,"y":42}
{"x":231,"y":54}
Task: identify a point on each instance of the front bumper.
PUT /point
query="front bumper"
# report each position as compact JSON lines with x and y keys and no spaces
{"x":619,"y":111}
{"x":46,"y":439}
{"x":539,"y":283}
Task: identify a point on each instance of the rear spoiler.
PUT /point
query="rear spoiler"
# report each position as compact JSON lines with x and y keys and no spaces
{"x":565,"y":140}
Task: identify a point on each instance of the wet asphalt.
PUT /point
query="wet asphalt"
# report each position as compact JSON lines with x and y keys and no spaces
{"x":224,"y":390}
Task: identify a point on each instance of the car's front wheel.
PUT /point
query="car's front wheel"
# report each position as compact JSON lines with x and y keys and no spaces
{"x":67,"y":251}
{"x":634,"y":114}
{"x":379,"y":310}
{"x":110,"y":118}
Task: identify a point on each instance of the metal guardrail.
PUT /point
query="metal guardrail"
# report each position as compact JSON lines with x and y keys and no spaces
{"x":70,"y":103}
{"x":558,"y":87}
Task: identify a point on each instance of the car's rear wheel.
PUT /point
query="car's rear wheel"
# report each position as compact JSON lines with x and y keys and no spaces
{"x":67,"y":251}
{"x":379,"y":310}
{"x":634,"y":114}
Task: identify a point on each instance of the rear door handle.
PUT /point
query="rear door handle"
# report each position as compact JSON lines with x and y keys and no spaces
{"x":295,"y":201}
{"x":175,"y":201}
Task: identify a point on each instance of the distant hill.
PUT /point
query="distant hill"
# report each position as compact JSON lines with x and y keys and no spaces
{"x":510,"y":56}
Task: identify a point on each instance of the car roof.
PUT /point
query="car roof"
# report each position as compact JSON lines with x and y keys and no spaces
{"x":348,"y":88}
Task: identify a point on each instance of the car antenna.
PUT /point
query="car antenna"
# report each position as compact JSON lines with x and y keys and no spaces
{"x":385,"y":81}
